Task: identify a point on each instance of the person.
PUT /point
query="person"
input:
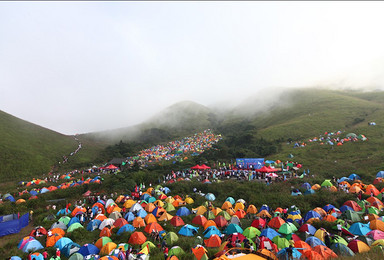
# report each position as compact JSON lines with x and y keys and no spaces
{"x":45,"y":255}
{"x":58,"y":253}
{"x":166,"y":250}
{"x":257,"y":242}
{"x":289,"y":251}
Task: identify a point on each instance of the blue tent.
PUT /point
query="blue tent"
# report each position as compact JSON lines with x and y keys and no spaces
{"x":126,"y":228}
{"x":231,"y":200}
{"x":282,"y":254}
{"x":345,"y":207}
{"x":16,"y":258}
{"x":380,"y":174}
{"x":73,"y":220}
{"x":44,"y":190}
{"x":93,"y":224}
{"x":183,"y":211}
{"x":88,"y":249}
{"x":32,"y":246}
{"x":62,"y":242}
{"x":343,"y":179}
{"x":33,"y":192}
{"x":309,"y":192}
{"x":9,"y":197}
{"x":270,"y":233}
{"x":130,"y":216}
{"x":63,"y":212}
{"x":212,"y":230}
{"x":296,"y":193}
{"x":328,"y":207}
{"x":144,"y":196}
{"x":314,"y":241}
{"x":210,"y":197}
{"x":265,"y":207}
{"x":342,"y":250}
{"x":311,"y":214}
{"x":269,"y":161}
{"x":359,"y":229}
{"x":37,"y":257}
{"x":306,"y":185}
{"x":233,"y":228}
{"x":188,"y":230}
{"x":70,"y":249}
{"x":354,"y":176}
{"x":142,"y":213}
{"x":166,"y":190}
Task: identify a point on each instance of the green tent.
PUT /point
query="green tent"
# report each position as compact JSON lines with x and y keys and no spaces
{"x":352,"y":215}
{"x":327,"y":183}
{"x":210,"y":215}
{"x":65,"y":220}
{"x":251,"y":232}
{"x":149,"y":243}
{"x":287,"y":228}
{"x":351,"y":135}
{"x":281,"y":242}
{"x":338,"y":239}
{"x":76,"y":256}
{"x":373,"y":210}
{"x":74,"y":226}
{"x":171,"y":238}
{"x":169,"y":207}
{"x":176,"y":250}
{"x":225,"y":215}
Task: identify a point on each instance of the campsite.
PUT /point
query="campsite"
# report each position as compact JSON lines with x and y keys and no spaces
{"x":191,"y":130}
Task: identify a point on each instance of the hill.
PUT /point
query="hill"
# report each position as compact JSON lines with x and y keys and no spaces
{"x":29,"y":150}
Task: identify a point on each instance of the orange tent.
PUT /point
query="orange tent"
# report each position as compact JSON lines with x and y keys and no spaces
{"x":302,"y":244}
{"x":150,"y":218}
{"x":154,"y":226}
{"x":216,"y":211}
{"x":276,"y":222}
{"x":107,"y":248}
{"x":329,"y":218}
{"x":240,"y":213}
{"x":120,"y":222}
{"x":325,"y":252}
{"x":160,"y":211}
{"x":199,"y":252}
{"x":105,"y":232}
{"x":138,"y":222}
{"x":316,"y":186}
{"x":252,"y":209}
{"x":226,"y":205}
{"x":149,"y":207}
{"x":58,"y":231}
{"x":100,"y":217}
{"x":320,"y":211}
{"x":376,"y":224}
{"x":77,"y":209}
{"x":230,"y":211}
{"x":354,"y":189}
{"x":51,"y":240}
{"x":238,"y":206}
{"x":263,"y":214}
{"x":213,"y":241}
{"x":375,"y":200}
{"x":137,"y":238}
{"x":177,"y":221}
{"x":209,"y":223}
{"x":165,"y":217}
{"x":312,"y":255}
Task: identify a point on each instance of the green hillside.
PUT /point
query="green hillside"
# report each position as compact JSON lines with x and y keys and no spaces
{"x":29,"y":150}
{"x":248,"y":131}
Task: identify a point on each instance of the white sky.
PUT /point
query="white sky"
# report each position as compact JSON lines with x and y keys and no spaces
{"x":78,"y":67}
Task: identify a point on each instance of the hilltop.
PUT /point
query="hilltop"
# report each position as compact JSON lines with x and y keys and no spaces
{"x":259,"y":126}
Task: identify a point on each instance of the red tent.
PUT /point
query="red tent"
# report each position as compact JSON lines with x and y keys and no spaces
{"x":111,"y":167}
{"x":204,"y":167}
{"x":266,"y":169}
{"x":196,"y":167}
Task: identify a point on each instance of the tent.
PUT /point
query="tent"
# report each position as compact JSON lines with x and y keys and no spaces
{"x":188,"y":230}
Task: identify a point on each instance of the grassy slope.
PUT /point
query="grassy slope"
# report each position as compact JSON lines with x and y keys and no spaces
{"x":29,"y":150}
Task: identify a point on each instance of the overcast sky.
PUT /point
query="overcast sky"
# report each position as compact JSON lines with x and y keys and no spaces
{"x":81,"y":67}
